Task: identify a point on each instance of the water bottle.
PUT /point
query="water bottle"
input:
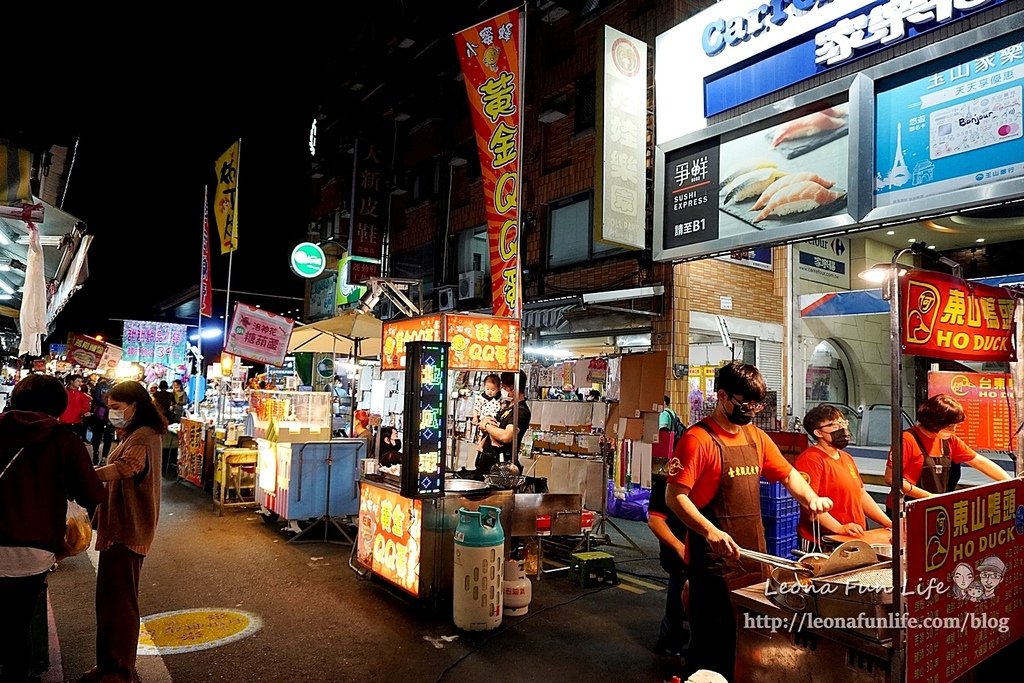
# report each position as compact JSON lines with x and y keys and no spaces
{"x":478,"y":571}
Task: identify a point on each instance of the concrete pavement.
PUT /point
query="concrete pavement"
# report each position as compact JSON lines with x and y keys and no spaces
{"x":320,"y":622}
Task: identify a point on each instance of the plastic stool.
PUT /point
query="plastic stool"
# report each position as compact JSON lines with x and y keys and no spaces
{"x":593,"y":569}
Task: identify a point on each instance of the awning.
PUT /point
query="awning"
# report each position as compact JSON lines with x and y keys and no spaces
{"x":548,"y":319}
{"x":870,"y":301}
{"x":65,"y":247}
{"x":339,"y":336}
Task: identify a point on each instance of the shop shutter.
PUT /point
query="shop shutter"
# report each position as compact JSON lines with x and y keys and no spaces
{"x":769,"y":362}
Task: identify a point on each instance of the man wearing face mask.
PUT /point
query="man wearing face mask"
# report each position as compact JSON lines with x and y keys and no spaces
{"x":502,"y":429}
{"x":714,"y":488}
{"x":832,"y":472}
{"x":931,"y":448}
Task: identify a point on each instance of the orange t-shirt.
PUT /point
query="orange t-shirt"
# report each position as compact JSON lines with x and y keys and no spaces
{"x":837,"y":479}
{"x":697,"y":463}
{"x":913,"y":458}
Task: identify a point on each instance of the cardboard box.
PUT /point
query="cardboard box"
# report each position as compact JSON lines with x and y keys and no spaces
{"x":642,"y":379}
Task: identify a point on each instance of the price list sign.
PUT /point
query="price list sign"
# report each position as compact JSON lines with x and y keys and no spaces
{"x":987,"y":399}
{"x":426,"y":396}
{"x":691,"y":195}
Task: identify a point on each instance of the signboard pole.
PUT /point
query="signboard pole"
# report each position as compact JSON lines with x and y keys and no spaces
{"x":898,"y":668}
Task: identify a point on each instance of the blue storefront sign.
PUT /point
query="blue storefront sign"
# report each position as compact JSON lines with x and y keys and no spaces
{"x":866,"y":30}
{"x":957,"y":127}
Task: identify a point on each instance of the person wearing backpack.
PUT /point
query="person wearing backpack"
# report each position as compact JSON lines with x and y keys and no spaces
{"x":669,"y":420}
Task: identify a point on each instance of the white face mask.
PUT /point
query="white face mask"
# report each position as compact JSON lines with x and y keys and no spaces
{"x":505,"y":394}
{"x":117,"y":418}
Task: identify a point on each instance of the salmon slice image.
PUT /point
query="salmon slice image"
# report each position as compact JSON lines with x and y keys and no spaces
{"x":798,"y":198}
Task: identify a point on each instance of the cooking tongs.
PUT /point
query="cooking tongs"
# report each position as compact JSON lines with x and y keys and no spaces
{"x":807,"y":564}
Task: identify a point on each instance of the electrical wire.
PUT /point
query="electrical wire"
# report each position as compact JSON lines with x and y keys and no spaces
{"x":517,"y":623}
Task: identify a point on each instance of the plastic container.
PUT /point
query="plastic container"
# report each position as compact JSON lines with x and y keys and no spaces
{"x":478,"y":570}
{"x":782,"y":546}
{"x":518,"y":590}
{"x":780,"y":527}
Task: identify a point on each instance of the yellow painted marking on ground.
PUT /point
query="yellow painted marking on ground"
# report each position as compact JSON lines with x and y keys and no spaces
{"x":632,"y":589}
{"x":641,"y":582}
{"x":194,"y":629}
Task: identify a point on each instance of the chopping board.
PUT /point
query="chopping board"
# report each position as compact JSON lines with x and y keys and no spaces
{"x":872,"y":537}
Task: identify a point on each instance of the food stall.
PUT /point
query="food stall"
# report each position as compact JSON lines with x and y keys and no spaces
{"x":302,"y":473}
{"x":408,"y":514}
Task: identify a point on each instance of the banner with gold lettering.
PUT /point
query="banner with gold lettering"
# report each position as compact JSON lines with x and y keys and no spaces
{"x":964,"y":584}
{"x":491,"y":58}
{"x":945,"y":317}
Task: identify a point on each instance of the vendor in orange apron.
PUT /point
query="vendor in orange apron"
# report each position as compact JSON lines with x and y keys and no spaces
{"x":714,"y":488}
{"x":932,"y":451}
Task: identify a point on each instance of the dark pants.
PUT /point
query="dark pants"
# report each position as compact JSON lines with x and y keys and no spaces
{"x":117,"y":611}
{"x":18,"y":597}
{"x":675,"y":632}
{"x":712,"y":626}
{"x":103,"y":433}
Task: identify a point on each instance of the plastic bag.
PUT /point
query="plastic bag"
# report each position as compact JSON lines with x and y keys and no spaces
{"x":78,"y":534}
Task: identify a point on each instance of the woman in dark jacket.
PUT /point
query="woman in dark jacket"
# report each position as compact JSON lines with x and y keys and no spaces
{"x":126,"y":524}
{"x":43,"y":465}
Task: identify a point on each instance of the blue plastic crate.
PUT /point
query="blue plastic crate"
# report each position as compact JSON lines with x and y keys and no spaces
{"x":781,"y":527}
{"x":773,"y":490}
{"x":779,"y":507}
{"x":782,"y":547}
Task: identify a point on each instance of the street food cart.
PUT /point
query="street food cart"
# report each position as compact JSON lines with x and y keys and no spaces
{"x":302,"y":473}
{"x":407,"y":517}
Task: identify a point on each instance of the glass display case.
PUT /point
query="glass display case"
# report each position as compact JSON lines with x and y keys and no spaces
{"x":295,"y":415}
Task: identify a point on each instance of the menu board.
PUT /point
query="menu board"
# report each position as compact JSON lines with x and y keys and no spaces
{"x":389,"y":536}
{"x":953,"y":128}
{"x":398,"y":332}
{"x":191,"y":451}
{"x":987,"y":399}
{"x":965,"y":588}
{"x":483,"y":343}
{"x":85,"y":351}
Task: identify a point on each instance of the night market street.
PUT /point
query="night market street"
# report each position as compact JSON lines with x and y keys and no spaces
{"x":320,"y":622}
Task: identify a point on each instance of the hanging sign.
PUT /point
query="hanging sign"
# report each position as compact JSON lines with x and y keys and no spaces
{"x":150,"y":342}
{"x":946,"y":317}
{"x":85,"y":351}
{"x":191,"y":451}
{"x":482,"y":343}
{"x":964,"y":587}
{"x":307,"y":260}
{"x":491,"y":66}
{"x":258,"y":335}
{"x":398,"y":332}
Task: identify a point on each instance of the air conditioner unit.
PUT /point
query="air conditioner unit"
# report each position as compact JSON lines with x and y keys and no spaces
{"x":447,"y":298}
{"x":472,"y":285}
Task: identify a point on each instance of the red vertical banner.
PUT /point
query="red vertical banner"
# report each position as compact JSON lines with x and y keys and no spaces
{"x":965,"y":590}
{"x":490,"y":54}
{"x":206,"y":283}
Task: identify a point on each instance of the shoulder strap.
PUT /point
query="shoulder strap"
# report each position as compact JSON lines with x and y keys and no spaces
{"x":11,"y":462}
{"x":920,"y":442}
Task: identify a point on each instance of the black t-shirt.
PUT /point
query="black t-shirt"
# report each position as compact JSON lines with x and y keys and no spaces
{"x":503,"y":453}
{"x":670,"y":560}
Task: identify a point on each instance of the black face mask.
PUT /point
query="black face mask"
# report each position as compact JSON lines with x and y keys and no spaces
{"x":840,"y":438}
{"x":738,"y":417}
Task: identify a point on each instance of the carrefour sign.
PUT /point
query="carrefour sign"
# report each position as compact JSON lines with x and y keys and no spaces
{"x":755,"y":22}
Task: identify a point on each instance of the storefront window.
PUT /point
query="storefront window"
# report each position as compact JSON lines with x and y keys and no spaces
{"x":473,"y":251}
{"x":827,"y":379}
{"x":571,"y":233}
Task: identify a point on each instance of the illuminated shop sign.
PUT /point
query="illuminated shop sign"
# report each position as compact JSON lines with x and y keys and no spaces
{"x":426,"y":395}
{"x":389,"y":536}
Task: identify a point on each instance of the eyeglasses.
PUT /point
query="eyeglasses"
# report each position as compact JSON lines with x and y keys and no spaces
{"x":748,"y":406}
{"x":839,"y":424}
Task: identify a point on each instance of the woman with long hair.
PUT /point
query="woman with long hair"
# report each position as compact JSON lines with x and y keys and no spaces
{"x":126,"y":524}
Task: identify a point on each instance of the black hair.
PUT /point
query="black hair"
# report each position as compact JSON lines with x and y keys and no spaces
{"x":71,"y":379}
{"x":939,"y":412}
{"x":146,"y":412}
{"x":163,"y":385}
{"x":819,"y":415}
{"x":741,"y":378}
{"x":495,"y":378}
{"x":508,"y":380}
{"x":668,"y":402}
{"x":40,"y":394}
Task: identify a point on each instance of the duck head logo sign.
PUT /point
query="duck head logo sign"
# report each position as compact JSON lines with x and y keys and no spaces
{"x":946,"y":317}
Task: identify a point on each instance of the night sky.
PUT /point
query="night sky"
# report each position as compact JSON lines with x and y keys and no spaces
{"x":152,"y":115}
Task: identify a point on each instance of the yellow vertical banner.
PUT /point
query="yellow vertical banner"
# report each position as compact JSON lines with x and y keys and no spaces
{"x":225,"y":200}
{"x":15,"y":172}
